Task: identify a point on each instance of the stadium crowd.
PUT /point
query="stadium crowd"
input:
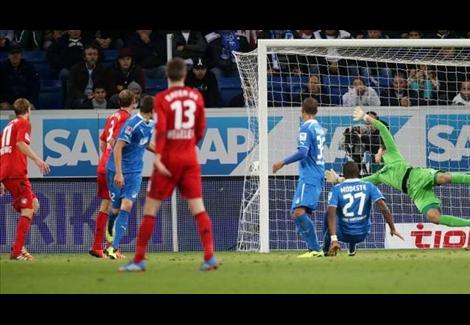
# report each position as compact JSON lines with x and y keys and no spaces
{"x":86,"y":69}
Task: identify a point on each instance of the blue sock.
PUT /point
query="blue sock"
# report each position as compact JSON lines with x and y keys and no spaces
{"x":121,"y":227}
{"x":306,"y":229}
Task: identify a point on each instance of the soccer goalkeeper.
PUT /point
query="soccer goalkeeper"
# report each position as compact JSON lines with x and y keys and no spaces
{"x":416,"y":182}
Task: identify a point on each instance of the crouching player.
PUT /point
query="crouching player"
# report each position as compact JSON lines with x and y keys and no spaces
{"x":348,"y":215}
{"x":125,"y":169}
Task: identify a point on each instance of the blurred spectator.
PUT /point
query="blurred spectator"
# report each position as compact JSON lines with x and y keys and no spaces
{"x":331,"y":64}
{"x":149,"y":48}
{"x":305,"y":33}
{"x":375,"y":34}
{"x":66,"y":52}
{"x":18,"y":78}
{"x":6,"y":37}
{"x":52,"y":36}
{"x":221,"y":43}
{"x":360,"y":94}
{"x":399,"y":94}
{"x":442,"y":34}
{"x":108,"y":39}
{"x":124,"y":72}
{"x":83,"y":76}
{"x":413,"y":34}
{"x":29,"y":39}
{"x":312,"y":89}
{"x":188,"y":44}
{"x":98,"y":100}
{"x":136,"y":90}
{"x":424,"y":82}
{"x":204,"y":81}
{"x":463,"y":97}
{"x":281,"y":63}
{"x":450,"y":76}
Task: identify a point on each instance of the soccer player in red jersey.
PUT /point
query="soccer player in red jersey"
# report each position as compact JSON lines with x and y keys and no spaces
{"x":180,"y":125}
{"x":14,"y":151}
{"x":107,"y":139}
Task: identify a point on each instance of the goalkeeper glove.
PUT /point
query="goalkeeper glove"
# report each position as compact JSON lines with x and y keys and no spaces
{"x":331,"y":176}
{"x":359,"y":114}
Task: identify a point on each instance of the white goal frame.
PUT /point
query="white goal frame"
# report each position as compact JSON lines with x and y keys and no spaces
{"x":262,"y":51}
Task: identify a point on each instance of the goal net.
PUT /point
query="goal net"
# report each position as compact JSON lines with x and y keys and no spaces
{"x":420,"y":88}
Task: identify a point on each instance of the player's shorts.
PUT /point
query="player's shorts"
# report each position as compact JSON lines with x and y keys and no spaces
{"x":103,"y":190}
{"x":307,"y":195}
{"x":130,"y":190}
{"x":186,"y":177}
{"x":420,"y":188}
{"x":21,"y":191}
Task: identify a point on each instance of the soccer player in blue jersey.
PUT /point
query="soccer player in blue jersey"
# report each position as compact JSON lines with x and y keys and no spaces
{"x":311,"y":175}
{"x":348,"y":215}
{"x":125,"y":169}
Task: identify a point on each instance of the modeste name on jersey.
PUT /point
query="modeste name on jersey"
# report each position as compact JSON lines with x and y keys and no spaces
{"x":353,"y":188}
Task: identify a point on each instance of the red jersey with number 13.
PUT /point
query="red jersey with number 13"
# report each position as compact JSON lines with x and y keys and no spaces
{"x":13,"y":163}
{"x":180,"y":124}
{"x":111,"y":130}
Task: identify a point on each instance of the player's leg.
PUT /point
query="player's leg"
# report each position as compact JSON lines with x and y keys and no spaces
{"x":326,"y":234}
{"x":101,"y":217}
{"x":452,"y":178}
{"x":304,"y":202}
{"x":24,"y":202}
{"x":190,"y":186}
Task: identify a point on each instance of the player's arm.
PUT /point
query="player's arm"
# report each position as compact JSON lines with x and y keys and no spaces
{"x":161,"y":129}
{"x":27,"y":151}
{"x":374,"y":179}
{"x":2,"y":189}
{"x":385,"y":134}
{"x":382,"y":206}
{"x":303,"y":143}
{"x":119,"y":177}
{"x":200,"y":126}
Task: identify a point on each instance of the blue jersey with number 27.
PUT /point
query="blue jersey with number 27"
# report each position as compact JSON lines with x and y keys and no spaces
{"x":312,"y":137}
{"x":353,"y":199}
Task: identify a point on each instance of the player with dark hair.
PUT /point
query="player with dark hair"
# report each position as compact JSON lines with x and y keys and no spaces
{"x":125,"y":167}
{"x":180,"y":125}
{"x":416,"y":182}
{"x":107,"y":139}
{"x":14,"y":151}
{"x":311,"y":175}
{"x":348,"y":216}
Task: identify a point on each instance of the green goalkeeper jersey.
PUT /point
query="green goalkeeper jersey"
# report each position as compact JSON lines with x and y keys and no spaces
{"x":395,"y":165}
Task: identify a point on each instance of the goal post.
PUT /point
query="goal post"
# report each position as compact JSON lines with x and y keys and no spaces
{"x":270,"y":87}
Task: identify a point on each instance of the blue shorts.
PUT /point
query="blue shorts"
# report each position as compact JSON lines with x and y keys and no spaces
{"x":307,"y":195}
{"x":130,"y":190}
{"x":342,"y":237}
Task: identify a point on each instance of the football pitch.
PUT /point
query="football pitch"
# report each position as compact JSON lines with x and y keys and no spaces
{"x":376,"y":271}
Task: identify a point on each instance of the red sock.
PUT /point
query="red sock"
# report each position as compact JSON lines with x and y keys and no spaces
{"x":145,"y":232}
{"x":100,"y":227}
{"x":21,"y":231}
{"x":204,"y":225}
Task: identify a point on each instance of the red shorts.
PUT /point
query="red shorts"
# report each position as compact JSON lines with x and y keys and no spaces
{"x":186,"y":178}
{"x":103,"y":190}
{"x":21,"y":191}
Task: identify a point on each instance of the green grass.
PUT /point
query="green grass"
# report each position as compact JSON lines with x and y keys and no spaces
{"x":380,"y":271}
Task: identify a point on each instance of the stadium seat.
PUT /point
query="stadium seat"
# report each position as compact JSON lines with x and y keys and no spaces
{"x":109,"y":55}
{"x":50,"y":95}
{"x":35,"y":56}
{"x":277,"y":91}
{"x":229,"y":88}
{"x":155,"y":85}
{"x":336,"y":86}
{"x":43,"y":69}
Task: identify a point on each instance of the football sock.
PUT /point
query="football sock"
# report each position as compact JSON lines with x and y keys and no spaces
{"x":21,"y":231}
{"x":121,"y":227}
{"x":452,"y":221}
{"x":306,"y":229}
{"x":204,"y":226}
{"x":460,"y":178}
{"x":100,"y":227}
{"x":111,"y":220}
{"x":145,"y":232}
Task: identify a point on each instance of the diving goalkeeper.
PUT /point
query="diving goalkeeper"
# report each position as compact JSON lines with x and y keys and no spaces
{"x":416,"y":182}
